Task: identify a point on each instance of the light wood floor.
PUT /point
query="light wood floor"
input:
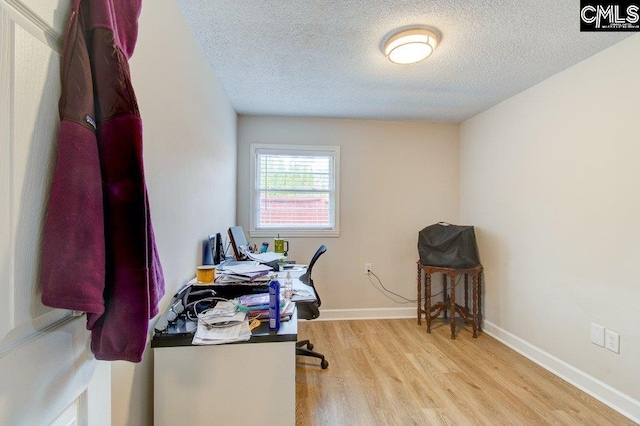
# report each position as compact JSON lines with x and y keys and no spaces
{"x":391,"y":372}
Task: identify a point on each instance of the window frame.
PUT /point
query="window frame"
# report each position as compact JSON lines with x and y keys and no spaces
{"x":286,"y":149}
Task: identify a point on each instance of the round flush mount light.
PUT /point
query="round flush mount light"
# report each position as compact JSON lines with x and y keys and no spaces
{"x":410,"y":46}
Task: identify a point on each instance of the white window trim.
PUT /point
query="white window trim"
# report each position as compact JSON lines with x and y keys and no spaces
{"x":289,"y":232}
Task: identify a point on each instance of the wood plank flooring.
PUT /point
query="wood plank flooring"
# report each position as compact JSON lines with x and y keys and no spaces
{"x":391,"y":372}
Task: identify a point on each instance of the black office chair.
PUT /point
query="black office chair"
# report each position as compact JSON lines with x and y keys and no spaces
{"x":309,"y":311}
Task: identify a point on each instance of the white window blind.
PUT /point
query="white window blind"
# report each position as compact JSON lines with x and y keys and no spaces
{"x":295,"y":189}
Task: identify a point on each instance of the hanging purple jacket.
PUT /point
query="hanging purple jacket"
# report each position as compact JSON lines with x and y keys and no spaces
{"x":99,"y":254}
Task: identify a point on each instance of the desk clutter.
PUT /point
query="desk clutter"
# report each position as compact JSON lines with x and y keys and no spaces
{"x":230,"y":321}
{"x":222,"y":323}
{"x":199,"y":378}
{"x":213,"y":319}
{"x":244,"y":272}
{"x":228,"y":309}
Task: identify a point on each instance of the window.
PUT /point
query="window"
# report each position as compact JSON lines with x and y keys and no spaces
{"x":295,"y":190}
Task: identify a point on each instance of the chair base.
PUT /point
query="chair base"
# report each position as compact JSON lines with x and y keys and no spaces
{"x":302,"y":351}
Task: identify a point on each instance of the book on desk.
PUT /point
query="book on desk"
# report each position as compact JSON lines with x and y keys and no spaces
{"x":257,"y":307}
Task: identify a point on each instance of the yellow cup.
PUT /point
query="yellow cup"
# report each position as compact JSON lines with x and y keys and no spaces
{"x":280,"y":245}
{"x":205,"y":274}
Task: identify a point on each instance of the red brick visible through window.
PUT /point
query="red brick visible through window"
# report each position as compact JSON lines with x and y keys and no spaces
{"x":295,"y":211}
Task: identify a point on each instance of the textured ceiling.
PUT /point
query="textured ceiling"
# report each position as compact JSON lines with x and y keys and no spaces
{"x":323,"y":58}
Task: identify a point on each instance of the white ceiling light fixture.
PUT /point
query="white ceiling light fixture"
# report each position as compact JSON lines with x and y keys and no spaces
{"x":410,"y":46}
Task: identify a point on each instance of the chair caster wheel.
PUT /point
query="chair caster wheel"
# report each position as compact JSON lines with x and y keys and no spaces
{"x":324,"y":364}
{"x":310,"y":346}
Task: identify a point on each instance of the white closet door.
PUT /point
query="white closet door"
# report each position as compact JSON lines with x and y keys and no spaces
{"x":47,"y":372}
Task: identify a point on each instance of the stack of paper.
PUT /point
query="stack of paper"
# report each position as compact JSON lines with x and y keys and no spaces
{"x":260,"y":257}
{"x":245,"y":273}
{"x":303,"y":293}
{"x":218,"y":326}
{"x":265,"y":257}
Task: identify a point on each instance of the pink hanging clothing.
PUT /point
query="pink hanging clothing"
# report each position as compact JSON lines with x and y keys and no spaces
{"x":99,"y":254}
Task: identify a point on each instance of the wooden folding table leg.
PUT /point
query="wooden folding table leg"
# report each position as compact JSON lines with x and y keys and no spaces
{"x":466,"y":292}
{"x":419,"y":295}
{"x":445,"y":296}
{"x":452,"y":306}
{"x":480,"y":300}
{"x":476,"y":305}
{"x":427,"y":300}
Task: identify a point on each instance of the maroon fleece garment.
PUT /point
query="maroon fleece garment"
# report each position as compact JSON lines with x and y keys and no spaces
{"x":99,"y":254}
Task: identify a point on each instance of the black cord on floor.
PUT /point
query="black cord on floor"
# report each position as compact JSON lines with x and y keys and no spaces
{"x":389,"y":291}
{"x":405,"y":300}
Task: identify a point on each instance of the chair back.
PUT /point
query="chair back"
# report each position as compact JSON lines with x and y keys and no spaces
{"x":306,"y":277}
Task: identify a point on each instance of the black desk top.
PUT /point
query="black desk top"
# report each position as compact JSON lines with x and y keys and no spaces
{"x":176,"y":333}
{"x":288,"y":332}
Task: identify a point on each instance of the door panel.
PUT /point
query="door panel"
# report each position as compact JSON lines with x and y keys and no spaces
{"x":35,"y":126}
{"x":46,"y":366}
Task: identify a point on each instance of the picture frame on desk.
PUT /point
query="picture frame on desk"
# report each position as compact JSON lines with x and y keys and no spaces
{"x":237,"y":239}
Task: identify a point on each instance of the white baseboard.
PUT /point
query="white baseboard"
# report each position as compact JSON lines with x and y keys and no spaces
{"x":622,"y":403}
{"x":374,"y":313}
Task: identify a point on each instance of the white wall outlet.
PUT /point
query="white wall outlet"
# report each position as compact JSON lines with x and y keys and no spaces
{"x":597,"y":335}
{"x":612,"y":341}
{"x":367,"y":268}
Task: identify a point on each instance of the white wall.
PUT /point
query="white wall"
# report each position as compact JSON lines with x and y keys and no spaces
{"x":190,"y":166}
{"x":396,"y":178}
{"x":551,"y":180}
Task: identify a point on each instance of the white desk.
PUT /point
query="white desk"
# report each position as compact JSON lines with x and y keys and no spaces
{"x":247,"y":383}
{"x":232,"y":384}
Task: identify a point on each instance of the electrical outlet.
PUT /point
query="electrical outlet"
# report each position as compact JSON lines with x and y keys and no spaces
{"x":597,"y":335}
{"x":612,"y":341}
{"x":367,"y":268}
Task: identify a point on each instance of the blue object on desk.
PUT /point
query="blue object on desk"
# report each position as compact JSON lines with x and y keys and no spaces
{"x":274,"y":305}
